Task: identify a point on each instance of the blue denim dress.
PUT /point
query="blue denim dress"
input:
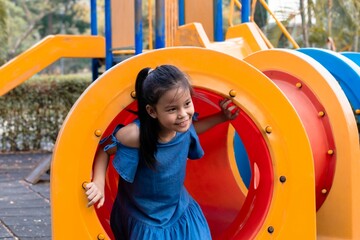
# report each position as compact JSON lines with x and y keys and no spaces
{"x":154,"y":204}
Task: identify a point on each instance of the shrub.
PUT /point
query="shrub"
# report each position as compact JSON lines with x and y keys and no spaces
{"x":31,"y":114}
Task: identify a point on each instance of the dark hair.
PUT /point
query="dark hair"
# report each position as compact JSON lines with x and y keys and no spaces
{"x":149,"y":87}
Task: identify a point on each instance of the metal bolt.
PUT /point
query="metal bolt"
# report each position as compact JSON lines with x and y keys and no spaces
{"x":98,"y":132}
{"x":133,"y":94}
{"x":299,"y":85}
{"x":330,"y":152}
{"x":321,"y":114}
{"x":100,"y":236}
{"x":232,"y":93}
{"x":268,"y":129}
{"x":271,"y":229}
{"x":282,"y":179}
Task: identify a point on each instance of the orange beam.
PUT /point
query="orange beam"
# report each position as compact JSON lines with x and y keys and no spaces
{"x":44,"y":53}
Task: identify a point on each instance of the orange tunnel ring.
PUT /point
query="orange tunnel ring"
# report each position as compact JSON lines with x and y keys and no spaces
{"x":339,"y":129}
{"x":213,"y":164}
{"x":258,"y":98}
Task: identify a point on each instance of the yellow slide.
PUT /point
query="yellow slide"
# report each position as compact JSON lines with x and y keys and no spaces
{"x":46,"y":52}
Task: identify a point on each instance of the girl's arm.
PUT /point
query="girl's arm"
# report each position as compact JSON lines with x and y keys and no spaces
{"x":129,"y":136}
{"x":95,"y":189}
{"x":229,"y":112}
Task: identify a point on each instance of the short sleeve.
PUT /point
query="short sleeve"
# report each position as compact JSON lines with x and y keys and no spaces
{"x":126,"y":158}
{"x":195,"y":149}
{"x":126,"y":161}
{"x":112,"y":137}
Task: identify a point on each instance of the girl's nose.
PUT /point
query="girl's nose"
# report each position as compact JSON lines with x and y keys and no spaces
{"x":181,"y":113}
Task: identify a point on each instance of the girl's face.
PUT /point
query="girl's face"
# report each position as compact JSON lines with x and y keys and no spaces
{"x":174,"y":111}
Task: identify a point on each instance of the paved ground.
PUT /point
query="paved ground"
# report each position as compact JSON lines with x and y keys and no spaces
{"x":24,"y":208}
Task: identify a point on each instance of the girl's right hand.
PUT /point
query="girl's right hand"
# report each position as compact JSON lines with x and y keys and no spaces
{"x":94,"y":194}
{"x":229,"y":109}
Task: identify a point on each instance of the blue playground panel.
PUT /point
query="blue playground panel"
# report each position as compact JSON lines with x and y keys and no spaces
{"x":353,"y":56}
{"x":345,"y":71}
{"x":242,"y":160}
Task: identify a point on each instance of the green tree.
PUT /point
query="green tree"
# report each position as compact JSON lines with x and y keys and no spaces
{"x":31,"y":21}
{"x":275,"y":34}
{"x":338,"y":19}
{"x":3,"y":33}
{"x":71,"y":17}
{"x":352,"y":20}
{"x":304,"y":24}
{"x":26,"y":15}
{"x":260,"y":15}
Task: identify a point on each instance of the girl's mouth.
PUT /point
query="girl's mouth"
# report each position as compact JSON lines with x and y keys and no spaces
{"x":183,"y":123}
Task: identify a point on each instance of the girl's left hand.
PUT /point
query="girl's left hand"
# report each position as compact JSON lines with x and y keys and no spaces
{"x":229,"y":109}
{"x":94,"y":194}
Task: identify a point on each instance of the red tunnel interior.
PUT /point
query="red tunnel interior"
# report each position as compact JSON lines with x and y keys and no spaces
{"x":210,"y":180}
{"x":317,"y":127}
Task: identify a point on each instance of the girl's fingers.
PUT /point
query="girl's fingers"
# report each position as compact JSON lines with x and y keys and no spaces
{"x":228,"y":107}
{"x":89,"y":185}
{"x":231,"y":108}
{"x":88,"y":192}
{"x":92,"y":202}
{"x":96,"y":198}
{"x":224,"y":103}
{"x":101,"y":202}
{"x":93,"y":195}
{"x":235,"y":114}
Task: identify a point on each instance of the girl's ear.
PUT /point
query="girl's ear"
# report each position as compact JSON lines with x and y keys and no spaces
{"x":151,"y":111}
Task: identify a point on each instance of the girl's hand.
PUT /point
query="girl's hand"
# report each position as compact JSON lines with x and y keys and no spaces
{"x":94,"y":194}
{"x":229,"y":109}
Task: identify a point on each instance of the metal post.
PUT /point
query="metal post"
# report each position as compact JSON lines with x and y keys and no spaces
{"x":108,"y":35}
{"x":218,"y":21}
{"x":245,"y":11}
{"x":181,"y":12}
{"x":138,"y":27}
{"x":160,"y":24}
{"x":94,"y":32}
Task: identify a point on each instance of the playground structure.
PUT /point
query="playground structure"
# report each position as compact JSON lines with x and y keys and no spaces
{"x":297,"y":132}
{"x":46,"y":52}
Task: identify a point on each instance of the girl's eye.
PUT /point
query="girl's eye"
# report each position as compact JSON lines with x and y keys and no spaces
{"x":188,"y":103}
{"x":171,"y":109}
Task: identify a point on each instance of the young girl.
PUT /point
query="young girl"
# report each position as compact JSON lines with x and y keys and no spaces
{"x":150,"y":157}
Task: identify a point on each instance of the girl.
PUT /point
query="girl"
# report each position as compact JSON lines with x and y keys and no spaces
{"x":150,"y":157}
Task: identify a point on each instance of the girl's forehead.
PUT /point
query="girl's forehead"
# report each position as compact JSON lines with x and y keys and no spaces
{"x":175,"y":94}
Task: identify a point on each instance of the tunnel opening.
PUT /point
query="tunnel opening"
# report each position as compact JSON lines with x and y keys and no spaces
{"x":213,"y":181}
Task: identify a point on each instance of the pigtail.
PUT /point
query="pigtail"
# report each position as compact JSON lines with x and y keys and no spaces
{"x":149,"y":127}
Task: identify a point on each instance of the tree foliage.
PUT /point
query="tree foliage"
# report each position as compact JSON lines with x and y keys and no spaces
{"x":260,"y":15}
{"x":30,"y":21}
{"x":338,"y":19}
{"x":26,"y":22}
{"x":72,"y":17}
{"x":3,"y":33}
